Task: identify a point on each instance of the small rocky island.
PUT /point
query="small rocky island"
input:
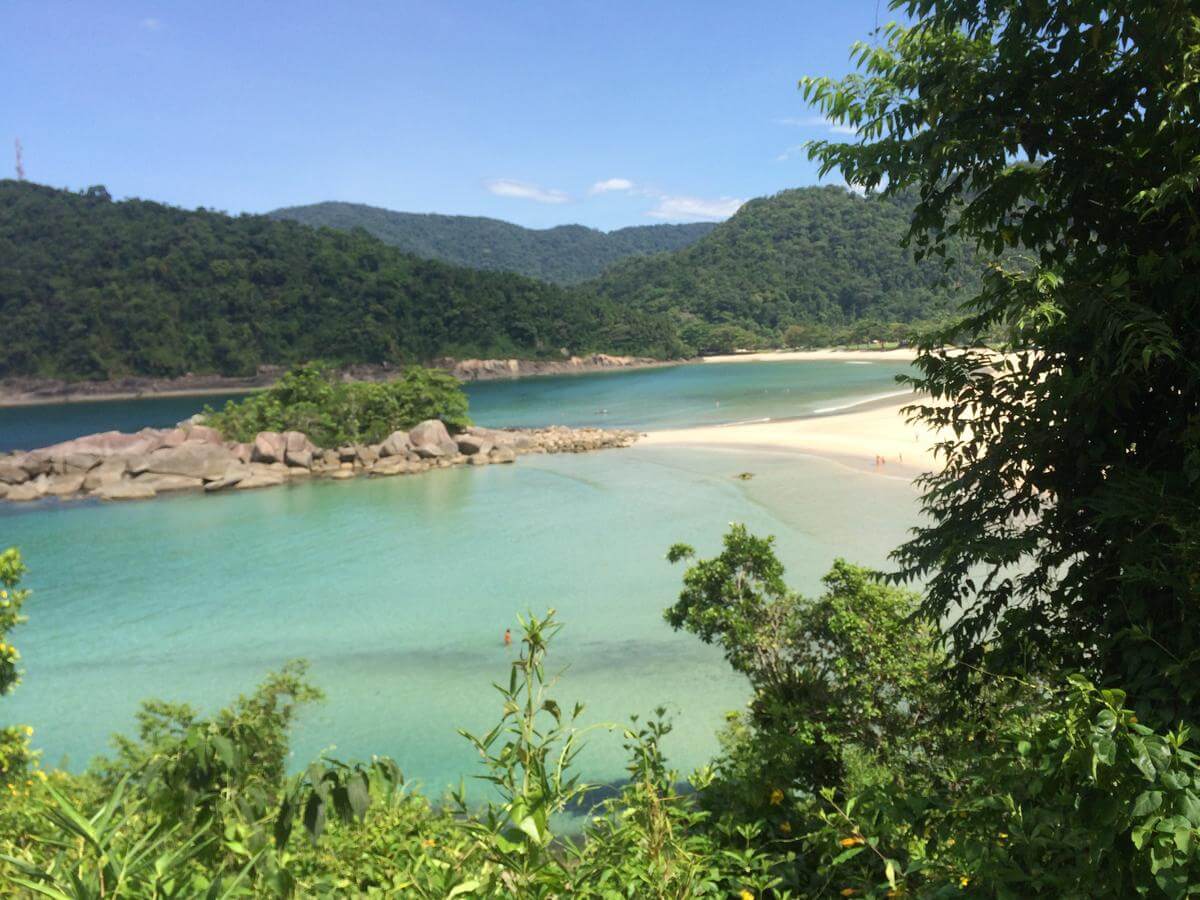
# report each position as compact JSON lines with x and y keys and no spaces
{"x":193,"y":456}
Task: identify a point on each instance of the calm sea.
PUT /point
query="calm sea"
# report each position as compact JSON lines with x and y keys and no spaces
{"x":398,"y":590}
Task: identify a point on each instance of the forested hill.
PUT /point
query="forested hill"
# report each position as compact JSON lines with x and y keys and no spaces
{"x":566,"y":254}
{"x":810,"y":255}
{"x":91,"y":288}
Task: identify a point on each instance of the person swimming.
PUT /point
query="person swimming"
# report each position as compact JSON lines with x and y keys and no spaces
{"x":507,"y":637}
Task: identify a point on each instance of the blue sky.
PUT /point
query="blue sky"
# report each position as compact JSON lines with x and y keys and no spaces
{"x":607,"y":113}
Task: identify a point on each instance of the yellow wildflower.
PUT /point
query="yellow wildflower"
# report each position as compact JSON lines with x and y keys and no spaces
{"x":746,"y":895}
{"x":776,"y":796}
{"x":428,"y":842}
{"x":3,"y":595}
{"x":852,"y":841}
{"x":950,"y":842}
{"x":964,"y":881}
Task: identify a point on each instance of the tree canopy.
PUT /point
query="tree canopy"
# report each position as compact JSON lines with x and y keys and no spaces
{"x":312,"y":399}
{"x":91,"y":288}
{"x":1065,"y":527}
{"x":565,"y":254}
{"x":820,"y":256}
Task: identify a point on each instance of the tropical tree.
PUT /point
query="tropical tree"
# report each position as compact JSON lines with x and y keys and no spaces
{"x":1060,"y":137}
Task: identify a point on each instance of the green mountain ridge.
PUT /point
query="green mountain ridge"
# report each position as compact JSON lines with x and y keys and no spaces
{"x":565,"y":254}
{"x":813,"y":255}
{"x":96,"y":289}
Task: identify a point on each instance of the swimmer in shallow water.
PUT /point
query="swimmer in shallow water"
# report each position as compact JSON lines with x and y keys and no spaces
{"x":507,"y":637}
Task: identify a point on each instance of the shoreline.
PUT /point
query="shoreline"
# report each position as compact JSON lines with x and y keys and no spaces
{"x":20,"y":392}
{"x":853,"y":437}
{"x":49,"y":392}
{"x":828,"y":354}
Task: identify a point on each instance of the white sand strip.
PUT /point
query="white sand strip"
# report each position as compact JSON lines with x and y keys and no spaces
{"x":856,"y":437}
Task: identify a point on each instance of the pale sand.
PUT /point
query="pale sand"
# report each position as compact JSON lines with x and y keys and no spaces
{"x":855,"y":438}
{"x":903,"y":354}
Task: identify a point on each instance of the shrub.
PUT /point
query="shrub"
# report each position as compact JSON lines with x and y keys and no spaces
{"x":313,"y":399}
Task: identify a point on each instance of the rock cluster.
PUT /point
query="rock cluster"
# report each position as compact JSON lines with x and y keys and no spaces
{"x":118,"y":466}
{"x":487,"y":369}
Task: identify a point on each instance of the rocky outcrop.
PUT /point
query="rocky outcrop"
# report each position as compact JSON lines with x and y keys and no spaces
{"x":124,"y":490}
{"x":160,"y":483}
{"x":397,"y":443}
{"x":108,"y":472}
{"x":11,"y":472}
{"x":193,"y":459}
{"x":269,"y":447}
{"x":115,"y":466}
{"x":431,"y":440}
{"x":490,"y":369}
{"x":474,"y":444}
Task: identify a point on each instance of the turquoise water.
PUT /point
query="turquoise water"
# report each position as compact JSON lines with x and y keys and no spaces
{"x":644,"y":398}
{"x":27,"y":427}
{"x":398,"y":590}
{"x":679,"y":396}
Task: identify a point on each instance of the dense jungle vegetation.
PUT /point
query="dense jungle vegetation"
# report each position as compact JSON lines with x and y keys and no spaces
{"x":1023,"y":727}
{"x":94,"y":289}
{"x":821,"y":258}
{"x":332,"y":412}
{"x":566,"y":254}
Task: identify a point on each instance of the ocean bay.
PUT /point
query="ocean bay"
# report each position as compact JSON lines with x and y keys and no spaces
{"x":397,"y":590}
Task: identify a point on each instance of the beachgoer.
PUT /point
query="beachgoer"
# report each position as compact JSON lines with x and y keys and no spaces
{"x":507,"y":637}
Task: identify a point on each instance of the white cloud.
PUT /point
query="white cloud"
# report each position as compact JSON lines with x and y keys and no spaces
{"x":695,"y":208}
{"x":790,"y":152}
{"x":505,"y":187}
{"x":611,"y":184}
{"x":151,"y":24}
{"x":818,"y":122}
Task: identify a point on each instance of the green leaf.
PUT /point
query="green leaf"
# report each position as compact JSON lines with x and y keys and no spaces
{"x":358,"y":794}
{"x":466,"y":887}
{"x":1146,"y":803}
{"x":529,"y":826}
{"x":1105,"y":751}
{"x":846,"y":855}
{"x":314,"y":817}
{"x":225,"y":750}
{"x":1189,"y":805}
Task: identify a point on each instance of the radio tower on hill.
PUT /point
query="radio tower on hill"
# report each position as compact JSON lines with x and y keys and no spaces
{"x":20,"y":168}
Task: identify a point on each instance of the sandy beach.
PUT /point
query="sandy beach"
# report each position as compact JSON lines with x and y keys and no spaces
{"x":902,"y":354}
{"x":854,"y":438}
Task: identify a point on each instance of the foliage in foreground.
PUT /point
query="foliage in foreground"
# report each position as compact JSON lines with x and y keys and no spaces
{"x":856,"y":771}
{"x":894,"y":783}
{"x":312,"y":398}
{"x":1065,"y":526}
{"x":199,"y":806}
